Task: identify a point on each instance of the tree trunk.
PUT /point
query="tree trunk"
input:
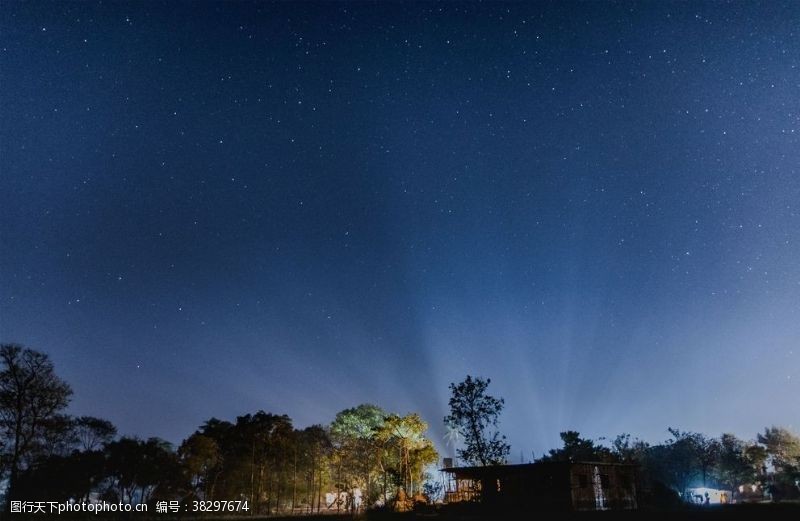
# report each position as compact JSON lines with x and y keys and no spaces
{"x":14,"y":471}
{"x":294,"y":481}
{"x":252,"y":474}
{"x":319,"y":490}
{"x":311,"y":486}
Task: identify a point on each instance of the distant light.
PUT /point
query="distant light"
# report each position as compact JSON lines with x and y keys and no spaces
{"x":715,"y":497}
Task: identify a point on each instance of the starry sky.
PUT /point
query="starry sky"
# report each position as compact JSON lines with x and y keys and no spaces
{"x":208,"y":209}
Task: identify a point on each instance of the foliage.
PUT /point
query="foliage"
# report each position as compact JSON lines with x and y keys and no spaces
{"x":140,"y":471}
{"x":251,"y":460}
{"x":578,"y":449}
{"x":60,"y":478}
{"x":691,"y":459}
{"x":31,"y":398}
{"x":783,"y":450}
{"x":277,"y":468}
{"x":681,"y":462}
{"x":433,"y":491}
{"x":475,"y":414}
{"x":357,"y":423}
{"x":356,"y":452}
{"x":200,"y":455}
{"x":404,"y":438}
{"x":625,"y":450}
{"x":738,"y":462}
{"x":93,"y":433}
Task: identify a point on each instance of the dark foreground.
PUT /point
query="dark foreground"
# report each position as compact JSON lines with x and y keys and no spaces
{"x":780,"y":511}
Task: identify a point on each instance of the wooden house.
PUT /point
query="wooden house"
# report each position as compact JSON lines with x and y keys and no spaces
{"x":545,"y":486}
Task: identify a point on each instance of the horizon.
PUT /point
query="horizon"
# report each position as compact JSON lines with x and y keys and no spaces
{"x":215,"y":209}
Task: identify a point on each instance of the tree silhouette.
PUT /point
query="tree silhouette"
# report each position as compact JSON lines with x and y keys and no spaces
{"x":475,"y":414}
{"x":578,"y":449}
{"x":31,"y":397}
{"x":93,"y":433}
{"x":140,"y":471}
{"x":735,"y":466}
{"x":200,"y":455}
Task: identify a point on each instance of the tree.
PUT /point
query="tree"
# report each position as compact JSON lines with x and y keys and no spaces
{"x":625,"y":450}
{"x":315,"y":447}
{"x":687,"y":458}
{"x":406,"y":436}
{"x":355,"y":449}
{"x":782,"y":446}
{"x":578,"y":449}
{"x":736,"y":464}
{"x":358,"y":422}
{"x":258,"y":450}
{"x":58,"y":437}
{"x":199,"y":454}
{"x":141,"y":471}
{"x":708,"y":451}
{"x":31,"y":396}
{"x":93,"y":433}
{"x":674,"y":463}
{"x":783,"y":449}
{"x":260,"y":457}
{"x":61,"y":478}
{"x":475,"y":414}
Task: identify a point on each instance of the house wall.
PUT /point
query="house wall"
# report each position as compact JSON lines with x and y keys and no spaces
{"x":458,"y":490}
{"x":602,"y":487}
{"x":565,"y":486}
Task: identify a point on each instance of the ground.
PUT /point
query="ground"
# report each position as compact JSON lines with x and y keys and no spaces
{"x":757,"y":512}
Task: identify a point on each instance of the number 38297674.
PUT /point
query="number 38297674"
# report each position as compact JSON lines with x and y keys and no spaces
{"x":220,"y":506}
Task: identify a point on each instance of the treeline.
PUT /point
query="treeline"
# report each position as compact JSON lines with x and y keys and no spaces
{"x":768,"y":466}
{"x":365,"y":456}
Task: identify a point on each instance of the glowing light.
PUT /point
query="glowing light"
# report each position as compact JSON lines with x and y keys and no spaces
{"x":715,"y":496}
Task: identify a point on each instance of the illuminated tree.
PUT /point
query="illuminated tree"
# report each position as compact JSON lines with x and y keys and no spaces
{"x":406,"y":436}
{"x":783,"y":449}
{"x":315,"y":447}
{"x":475,"y":414}
{"x":355,"y":450}
{"x":782,"y":446}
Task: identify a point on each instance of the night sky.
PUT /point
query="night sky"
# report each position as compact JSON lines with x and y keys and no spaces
{"x":210,"y":209}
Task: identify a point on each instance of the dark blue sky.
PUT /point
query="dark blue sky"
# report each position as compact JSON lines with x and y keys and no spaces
{"x":209,"y":209}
